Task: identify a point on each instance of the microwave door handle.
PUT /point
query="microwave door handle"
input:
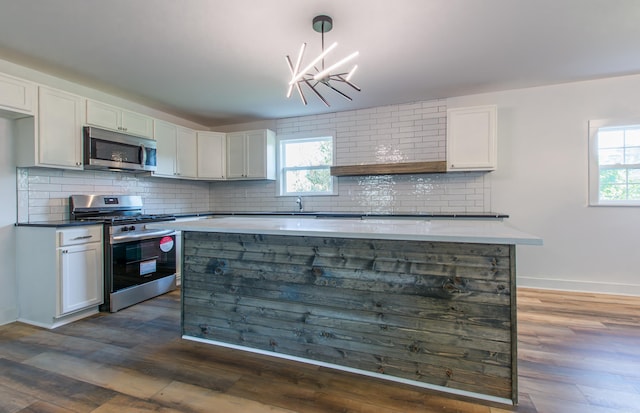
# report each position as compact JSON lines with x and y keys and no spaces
{"x":143,"y":155}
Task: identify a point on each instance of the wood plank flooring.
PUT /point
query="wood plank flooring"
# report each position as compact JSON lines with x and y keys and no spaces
{"x":577,"y":353}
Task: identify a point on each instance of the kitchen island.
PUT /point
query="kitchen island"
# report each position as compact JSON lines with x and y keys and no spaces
{"x":427,"y":303}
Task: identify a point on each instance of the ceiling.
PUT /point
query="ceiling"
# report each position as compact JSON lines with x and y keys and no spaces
{"x":221,"y":62}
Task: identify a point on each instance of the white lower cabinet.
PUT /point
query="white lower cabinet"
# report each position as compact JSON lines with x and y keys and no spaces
{"x":80,"y":285}
{"x":65,"y":282}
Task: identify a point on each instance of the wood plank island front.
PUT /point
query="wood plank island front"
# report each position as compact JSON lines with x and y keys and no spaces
{"x":427,"y":303}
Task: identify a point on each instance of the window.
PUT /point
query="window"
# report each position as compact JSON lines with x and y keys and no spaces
{"x":304,"y":166}
{"x":614,"y":163}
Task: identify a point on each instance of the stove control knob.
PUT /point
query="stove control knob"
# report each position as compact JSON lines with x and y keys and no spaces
{"x":124,"y":229}
{"x":132,"y":228}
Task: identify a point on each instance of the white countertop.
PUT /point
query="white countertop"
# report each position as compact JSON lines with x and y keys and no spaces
{"x":473,"y":231}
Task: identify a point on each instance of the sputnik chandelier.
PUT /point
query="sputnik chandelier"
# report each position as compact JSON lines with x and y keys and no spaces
{"x":312,"y":76}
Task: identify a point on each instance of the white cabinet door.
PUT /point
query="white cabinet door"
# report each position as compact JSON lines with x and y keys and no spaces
{"x":137,"y":124}
{"x":59,"y":134}
{"x":236,"y":155}
{"x":176,"y":151}
{"x":187,"y":150}
{"x":111,"y":117}
{"x":472,"y":138}
{"x":260,"y":156}
{"x":103,"y":115}
{"x":166,"y":136}
{"x":211,"y":155}
{"x":17,"y":94}
{"x":251,"y":155}
{"x":81,"y":281}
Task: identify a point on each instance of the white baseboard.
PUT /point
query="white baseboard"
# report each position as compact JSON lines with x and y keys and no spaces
{"x":579,"y":286}
{"x":8,"y":315}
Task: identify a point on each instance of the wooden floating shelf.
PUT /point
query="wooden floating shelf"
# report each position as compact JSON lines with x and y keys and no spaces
{"x":432,"y":167}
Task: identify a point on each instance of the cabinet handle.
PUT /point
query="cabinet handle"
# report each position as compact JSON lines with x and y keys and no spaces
{"x":84,"y":237}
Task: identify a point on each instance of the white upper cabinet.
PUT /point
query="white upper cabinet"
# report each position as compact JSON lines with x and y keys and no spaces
{"x":187,"y":153}
{"x":251,"y":155}
{"x":17,"y":95}
{"x":212,"y":155}
{"x":114,"y":118}
{"x":176,"y":151}
{"x":236,"y":144}
{"x":53,"y":138}
{"x":166,"y":135}
{"x":472,"y":138}
{"x":60,"y":128}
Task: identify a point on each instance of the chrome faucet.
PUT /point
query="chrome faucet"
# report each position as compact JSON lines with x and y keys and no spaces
{"x":299,"y":202}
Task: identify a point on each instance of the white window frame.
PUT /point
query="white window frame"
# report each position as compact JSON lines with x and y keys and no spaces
{"x":594,"y":165}
{"x":309,"y":137}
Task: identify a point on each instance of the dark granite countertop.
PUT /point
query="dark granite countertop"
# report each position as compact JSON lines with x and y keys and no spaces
{"x":442,"y":215}
{"x":57,"y":224}
{"x":437,"y":215}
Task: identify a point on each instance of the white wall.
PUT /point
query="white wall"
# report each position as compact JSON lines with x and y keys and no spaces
{"x":8,"y":286}
{"x":542,"y":183}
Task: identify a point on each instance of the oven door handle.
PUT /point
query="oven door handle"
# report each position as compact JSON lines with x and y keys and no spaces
{"x":118,"y":239}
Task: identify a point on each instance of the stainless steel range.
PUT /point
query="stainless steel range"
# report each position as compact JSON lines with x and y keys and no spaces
{"x":140,"y":263}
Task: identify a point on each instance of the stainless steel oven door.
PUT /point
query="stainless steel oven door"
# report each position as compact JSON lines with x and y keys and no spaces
{"x":139,"y":261}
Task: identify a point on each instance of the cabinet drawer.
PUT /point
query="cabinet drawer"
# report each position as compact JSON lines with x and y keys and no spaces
{"x":79,"y":235}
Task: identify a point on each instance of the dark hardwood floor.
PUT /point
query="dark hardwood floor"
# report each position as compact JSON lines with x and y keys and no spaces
{"x":578,"y":353}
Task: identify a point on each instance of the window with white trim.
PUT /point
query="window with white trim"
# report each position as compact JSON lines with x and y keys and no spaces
{"x":614,"y":163}
{"x":304,"y":165}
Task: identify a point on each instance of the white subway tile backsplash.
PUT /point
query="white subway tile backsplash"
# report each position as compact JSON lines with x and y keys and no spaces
{"x":43,"y":194}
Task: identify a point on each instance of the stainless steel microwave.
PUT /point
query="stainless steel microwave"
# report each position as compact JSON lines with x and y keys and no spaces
{"x":105,"y":149}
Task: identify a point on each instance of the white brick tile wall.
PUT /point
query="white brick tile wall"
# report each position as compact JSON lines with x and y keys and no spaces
{"x":43,"y":194}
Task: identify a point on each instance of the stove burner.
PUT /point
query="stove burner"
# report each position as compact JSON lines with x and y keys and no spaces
{"x":102,"y":208}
